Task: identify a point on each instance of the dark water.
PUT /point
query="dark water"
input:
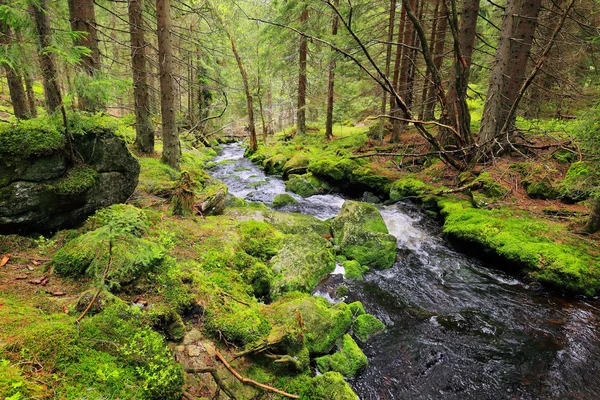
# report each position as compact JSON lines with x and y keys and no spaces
{"x":456,"y":328}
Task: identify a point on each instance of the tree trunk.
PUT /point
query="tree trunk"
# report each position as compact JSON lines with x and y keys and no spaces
{"x":438,"y":60}
{"x":47,"y":65}
{"x":30,"y":95}
{"x":302,"y":80}
{"x":331,"y":81}
{"x":144,"y":132}
{"x":593,"y":223}
{"x":509,"y":72}
{"x":17,"y":94}
{"x":388,"y":51}
{"x":405,"y":82}
{"x":171,"y":146}
{"x":427,"y":82}
{"x":83,"y":19}
{"x":394,"y":109}
{"x":458,"y":115}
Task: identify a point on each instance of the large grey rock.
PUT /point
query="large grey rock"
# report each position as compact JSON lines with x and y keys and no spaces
{"x":43,"y":193}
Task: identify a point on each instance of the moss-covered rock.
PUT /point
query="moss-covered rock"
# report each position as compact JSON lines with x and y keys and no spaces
{"x":361,"y":235}
{"x":260,"y":239}
{"x":490,"y":187}
{"x":335,"y":170}
{"x":296,"y":164}
{"x":288,"y":223}
{"x":283,"y":199}
{"x":373,"y":177}
{"x":329,"y":386}
{"x":580,"y":181}
{"x":409,"y":187}
{"x":349,"y":360}
{"x":366,"y":325}
{"x":212,"y":199}
{"x":323,"y":323}
{"x":303,"y":260}
{"x":274,"y":165}
{"x":307,"y":185}
{"x":354,"y":270}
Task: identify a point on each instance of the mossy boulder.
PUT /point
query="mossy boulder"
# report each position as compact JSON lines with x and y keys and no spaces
{"x":334,"y":170}
{"x":260,"y":240}
{"x":103,"y":300}
{"x":274,"y":165}
{"x":365,"y":326}
{"x":490,"y":187}
{"x":409,"y":187}
{"x":296,"y":164}
{"x":542,"y":189}
{"x":354,"y":270}
{"x":349,"y":360}
{"x":283,"y":199}
{"x":288,"y":223}
{"x":307,"y":185}
{"x":361,"y":235}
{"x":323,"y":323}
{"x":579,"y":182}
{"x":40,"y":192}
{"x":212,"y":199}
{"x":373,"y":177}
{"x":329,"y":386}
{"x":303,"y":260}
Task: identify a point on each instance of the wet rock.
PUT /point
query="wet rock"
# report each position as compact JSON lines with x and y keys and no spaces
{"x":213,"y":200}
{"x":274,"y":165}
{"x":361,"y":235}
{"x":283,"y":199}
{"x":42,"y":193}
{"x":349,"y":360}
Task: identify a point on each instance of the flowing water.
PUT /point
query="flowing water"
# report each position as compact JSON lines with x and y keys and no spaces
{"x":456,"y":328}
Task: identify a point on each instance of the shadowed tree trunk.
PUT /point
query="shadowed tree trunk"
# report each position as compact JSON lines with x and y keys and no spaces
{"x":438,"y":60}
{"x":427,"y":83}
{"x":593,"y":223}
{"x":47,"y":65}
{"x":457,"y":92}
{"x":394,"y":109}
{"x":331,"y":82}
{"x":171,"y":146}
{"x":144,"y":132}
{"x":302,"y":81}
{"x":83,"y":19}
{"x":30,"y":95}
{"x":388,"y":51}
{"x":509,"y":72}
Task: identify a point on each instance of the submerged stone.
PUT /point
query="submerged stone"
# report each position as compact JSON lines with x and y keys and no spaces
{"x":283,"y":199}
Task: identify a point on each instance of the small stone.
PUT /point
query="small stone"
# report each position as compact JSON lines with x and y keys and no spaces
{"x":193,"y":351}
{"x":209,"y":348}
{"x":192,"y":336}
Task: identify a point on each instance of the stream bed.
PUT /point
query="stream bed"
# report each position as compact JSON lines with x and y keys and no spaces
{"x":456,"y":328}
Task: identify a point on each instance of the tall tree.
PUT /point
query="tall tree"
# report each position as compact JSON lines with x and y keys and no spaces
{"x":171,"y":146}
{"x":15,"y":84}
{"x":82,"y":17}
{"x":508,"y":74}
{"x":388,"y":50}
{"x":438,"y":44}
{"x":331,"y":80}
{"x":52,"y":94}
{"x":144,"y":138}
{"x":302,"y":79}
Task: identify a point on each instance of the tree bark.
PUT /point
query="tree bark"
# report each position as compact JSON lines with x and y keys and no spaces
{"x":438,"y":60}
{"x":388,"y":50}
{"x":458,"y":115}
{"x":302,"y":79}
{"x":427,"y":84}
{"x":30,"y":95}
{"x":593,"y":223}
{"x":144,"y":132}
{"x":47,"y":64}
{"x":331,"y":81}
{"x":82,"y":17}
{"x":394,"y":108}
{"x":171,"y":146}
{"x":509,"y":72}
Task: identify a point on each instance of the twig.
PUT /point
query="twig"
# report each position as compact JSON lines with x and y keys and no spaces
{"x":250,"y":381}
{"x":110,"y":256}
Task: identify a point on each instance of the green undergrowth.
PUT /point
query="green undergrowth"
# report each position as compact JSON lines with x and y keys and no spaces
{"x":538,"y":246}
{"x":109,"y":355}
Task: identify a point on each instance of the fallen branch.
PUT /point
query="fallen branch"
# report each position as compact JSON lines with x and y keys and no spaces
{"x":250,"y":381}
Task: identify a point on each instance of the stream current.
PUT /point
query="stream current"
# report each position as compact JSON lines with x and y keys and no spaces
{"x":456,"y":328}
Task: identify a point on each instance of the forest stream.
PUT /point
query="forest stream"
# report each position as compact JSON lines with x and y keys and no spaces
{"x":456,"y":328}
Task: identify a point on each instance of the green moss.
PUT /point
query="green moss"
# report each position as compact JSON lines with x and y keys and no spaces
{"x":14,"y":385}
{"x":354,"y":270}
{"x":260,"y":239}
{"x":373,"y":177}
{"x":323,"y":323}
{"x":580,"y":181}
{"x":366,"y":325}
{"x":307,"y":185}
{"x":78,"y":180}
{"x":348,"y":361}
{"x":361,"y":235}
{"x":156,"y":177}
{"x":29,"y":138}
{"x":409,"y":187}
{"x":283,"y":199}
{"x":302,"y":262}
{"x":490,"y":187}
{"x":288,"y":223}
{"x":274,"y":165}
{"x":329,"y":386}
{"x":341,"y":291}
{"x":335,"y":170}
{"x":299,"y":161}
{"x":356,"y":309}
{"x":538,"y":246}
